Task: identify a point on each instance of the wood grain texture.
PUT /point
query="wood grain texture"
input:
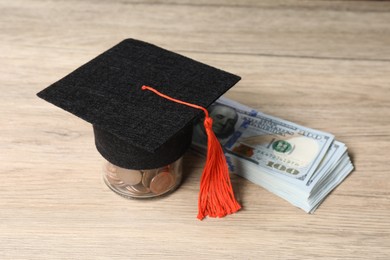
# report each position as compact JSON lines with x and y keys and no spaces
{"x":323,"y":64}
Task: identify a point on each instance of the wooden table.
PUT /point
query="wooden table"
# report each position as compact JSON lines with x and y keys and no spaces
{"x":323,"y":64}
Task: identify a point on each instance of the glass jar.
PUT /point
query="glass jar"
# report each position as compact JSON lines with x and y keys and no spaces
{"x":143,"y":183}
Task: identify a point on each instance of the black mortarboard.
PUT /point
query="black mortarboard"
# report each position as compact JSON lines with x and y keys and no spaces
{"x":133,"y":128}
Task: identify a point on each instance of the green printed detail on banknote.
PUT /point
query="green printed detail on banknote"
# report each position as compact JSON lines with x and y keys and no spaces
{"x":279,"y":147}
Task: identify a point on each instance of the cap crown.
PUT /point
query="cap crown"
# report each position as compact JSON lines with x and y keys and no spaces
{"x":106,"y":92}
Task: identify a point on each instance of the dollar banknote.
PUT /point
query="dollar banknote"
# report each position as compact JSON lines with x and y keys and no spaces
{"x":282,"y":148}
{"x":297,"y":163}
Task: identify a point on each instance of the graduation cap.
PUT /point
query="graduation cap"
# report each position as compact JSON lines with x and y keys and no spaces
{"x":141,"y":101}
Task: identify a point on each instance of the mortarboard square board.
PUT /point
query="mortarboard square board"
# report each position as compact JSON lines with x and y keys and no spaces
{"x":136,"y":129}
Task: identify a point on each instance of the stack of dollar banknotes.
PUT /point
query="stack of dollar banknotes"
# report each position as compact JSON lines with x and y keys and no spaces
{"x":298,"y":164}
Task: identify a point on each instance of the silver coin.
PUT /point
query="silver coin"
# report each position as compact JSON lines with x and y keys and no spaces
{"x":130,"y":177}
{"x":112,"y":175}
{"x":138,"y":189}
{"x":110,"y":167}
{"x":114,"y":181}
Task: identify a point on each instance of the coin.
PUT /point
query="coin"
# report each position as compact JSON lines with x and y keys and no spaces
{"x":138,"y":189}
{"x":113,"y":181}
{"x":162,"y":182}
{"x":112,"y":175}
{"x":164,"y":169}
{"x":130,"y":177}
{"x":147,"y":177}
{"x":110,"y":167}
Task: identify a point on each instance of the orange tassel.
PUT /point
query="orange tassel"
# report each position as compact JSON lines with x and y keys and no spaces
{"x":216,"y":197}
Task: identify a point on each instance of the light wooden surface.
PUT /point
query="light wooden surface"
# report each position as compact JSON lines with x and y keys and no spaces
{"x":323,"y":64}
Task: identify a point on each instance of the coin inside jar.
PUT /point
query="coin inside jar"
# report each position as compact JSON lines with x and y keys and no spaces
{"x":148,"y":176}
{"x":162,"y":182}
{"x":138,"y":189}
{"x":110,"y":167}
{"x":110,"y":175}
{"x":130,"y":177}
{"x":113,"y":180}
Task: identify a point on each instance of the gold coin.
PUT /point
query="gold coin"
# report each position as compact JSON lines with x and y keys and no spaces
{"x":162,"y":182}
{"x":130,"y":177}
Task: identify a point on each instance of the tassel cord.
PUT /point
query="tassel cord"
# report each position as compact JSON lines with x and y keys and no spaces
{"x":216,"y":197}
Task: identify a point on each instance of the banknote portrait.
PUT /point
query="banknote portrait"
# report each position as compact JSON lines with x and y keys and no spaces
{"x":224,"y":121}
